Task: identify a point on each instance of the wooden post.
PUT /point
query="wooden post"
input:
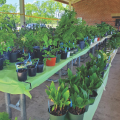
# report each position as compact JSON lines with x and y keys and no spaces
{"x":22,"y":11}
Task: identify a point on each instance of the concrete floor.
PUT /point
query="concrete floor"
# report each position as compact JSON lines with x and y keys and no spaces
{"x":108,"y":109}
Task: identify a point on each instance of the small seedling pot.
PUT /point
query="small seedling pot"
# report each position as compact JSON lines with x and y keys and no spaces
{"x":13,"y":56}
{"x":64,"y":55}
{"x":51,"y":62}
{"x":1,"y":63}
{"x":58,"y":58}
{"x":40,"y":67}
{"x":22,"y":74}
{"x":82,"y":45}
{"x":32,"y":70}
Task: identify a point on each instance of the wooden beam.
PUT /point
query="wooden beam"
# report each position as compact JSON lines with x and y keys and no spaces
{"x":62,"y":1}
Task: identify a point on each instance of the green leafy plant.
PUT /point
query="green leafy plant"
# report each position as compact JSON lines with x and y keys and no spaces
{"x":59,"y":97}
{"x":4,"y":116}
{"x":6,"y":63}
{"x":80,"y":99}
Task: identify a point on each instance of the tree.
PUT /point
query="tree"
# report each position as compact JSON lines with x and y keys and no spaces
{"x":2,"y":2}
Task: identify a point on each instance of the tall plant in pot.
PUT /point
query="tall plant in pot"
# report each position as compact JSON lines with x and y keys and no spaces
{"x":65,"y":30}
{"x":7,"y":40}
{"x":60,"y":99}
{"x":39,"y":35}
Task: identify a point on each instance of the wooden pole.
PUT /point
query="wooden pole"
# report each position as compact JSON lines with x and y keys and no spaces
{"x":22,"y":12}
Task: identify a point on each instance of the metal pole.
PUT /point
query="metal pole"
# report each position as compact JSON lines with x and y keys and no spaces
{"x":23,"y":106}
{"x":7,"y":102}
{"x":22,"y":11}
{"x":93,"y":51}
{"x":78,"y":61}
{"x":71,"y":65}
{"x":60,"y":74}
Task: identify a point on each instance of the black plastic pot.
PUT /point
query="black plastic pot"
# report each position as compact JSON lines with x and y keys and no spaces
{"x":64,"y":55}
{"x":1,"y":63}
{"x":6,"y":55}
{"x":19,"y":54}
{"x":32,"y":55}
{"x":13,"y":56}
{"x":40,"y":67}
{"x":38,"y":53}
{"x":22,"y":74}
{"x":82,"y":45}
{"x":32,"y":70}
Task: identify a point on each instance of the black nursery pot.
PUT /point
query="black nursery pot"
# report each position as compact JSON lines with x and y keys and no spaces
{"x":82,"y":45}
{"x":1,"y":63}
{"x":39,"y":54}
{"x":40,"y":67}
{"x":32,"y":70}
{"x":22,"y":74}
{"x":6,"y":55}
{"x":13,"y":56}
{"x":64,"y":55}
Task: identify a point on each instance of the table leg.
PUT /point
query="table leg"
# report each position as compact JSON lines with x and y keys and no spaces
{"x":7,"y":102}
{"x":78,"y":61}
{"x":60,"y":73}
{"x":23,"y":106}
{"x":93,"y":51}
{"x":71,"y":65}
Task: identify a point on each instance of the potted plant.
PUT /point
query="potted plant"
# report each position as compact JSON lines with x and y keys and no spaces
{"x":80,"y":101}
{"x":50,"y":56}
{"x":60,"y":99}
{"x":65,"y":31}
{"x":21,"y":70}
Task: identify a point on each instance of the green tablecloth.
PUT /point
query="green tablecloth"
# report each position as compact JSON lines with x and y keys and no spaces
{"x":10,"y":84}
{"x":92,"y":108}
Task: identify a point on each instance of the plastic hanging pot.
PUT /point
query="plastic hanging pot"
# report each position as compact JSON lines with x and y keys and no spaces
{"x":75,"y":117}
{"x":51,"y":62}
{"x":40,"y":67}
{"x":13,"y":56}
{"x":32,"y":70}
{"x":64,"y":55}
{"x":1,"y":63}
{"x":22,"y":74}
{"x":58,"y":58}
{"x":82,"y":45}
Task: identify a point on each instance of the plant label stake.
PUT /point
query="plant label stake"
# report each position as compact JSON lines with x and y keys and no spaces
{"x":70,"y":103}
{"x":49,"y":106}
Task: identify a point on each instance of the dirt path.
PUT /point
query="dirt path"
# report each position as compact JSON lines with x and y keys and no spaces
{"x":108,"y":109}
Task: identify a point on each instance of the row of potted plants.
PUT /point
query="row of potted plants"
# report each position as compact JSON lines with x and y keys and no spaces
{"x":77,"y":92}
